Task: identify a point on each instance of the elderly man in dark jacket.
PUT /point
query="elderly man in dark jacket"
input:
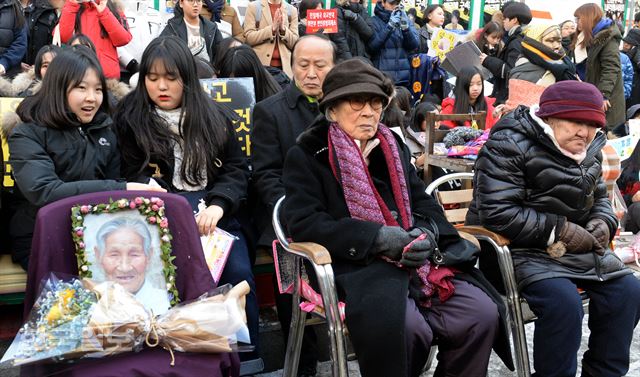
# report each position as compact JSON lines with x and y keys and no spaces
{"x":278,"y":121}
{"x":538,"y":182}
{"x":393,"y":39}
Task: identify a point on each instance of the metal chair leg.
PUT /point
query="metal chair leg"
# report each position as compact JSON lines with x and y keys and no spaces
{"x":514,"y":310}
{"x":334,"y":323}
{"x":296,"y":329}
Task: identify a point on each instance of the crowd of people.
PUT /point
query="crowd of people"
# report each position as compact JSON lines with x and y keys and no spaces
{"x":337,"y":130}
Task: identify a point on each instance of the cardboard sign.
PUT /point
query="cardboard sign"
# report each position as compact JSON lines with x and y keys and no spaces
{"x":237,"y":94}
{"x":325,"y":20}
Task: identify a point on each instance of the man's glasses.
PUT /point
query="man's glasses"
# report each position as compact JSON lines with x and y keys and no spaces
{"x":194,"y":1}
{"x":358,"y":103}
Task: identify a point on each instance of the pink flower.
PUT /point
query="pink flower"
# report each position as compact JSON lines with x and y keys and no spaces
{"x":152,"y":220}
{"x":155,"y":208}
{"x":164,"y":223}
{"x":85,"y":209}
{"x":160,"y":202}
{"x":132,"y":205}
{"x":138,"y":200}
{"x":154,"y":199}
{"x":81,"y":245}
{"x":79,"y":233}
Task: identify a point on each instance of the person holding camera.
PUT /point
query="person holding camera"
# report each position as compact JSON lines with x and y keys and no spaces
{"x":394,"y":37}
{"x":353,"y":30}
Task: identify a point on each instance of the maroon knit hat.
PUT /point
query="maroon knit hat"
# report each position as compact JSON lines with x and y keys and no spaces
{"x":573,"y":100}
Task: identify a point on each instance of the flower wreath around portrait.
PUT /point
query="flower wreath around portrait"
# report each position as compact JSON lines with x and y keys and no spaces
{"x":152,"y":209}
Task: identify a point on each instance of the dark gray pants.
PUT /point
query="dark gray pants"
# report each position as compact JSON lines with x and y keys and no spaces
{"x":464,"y":328}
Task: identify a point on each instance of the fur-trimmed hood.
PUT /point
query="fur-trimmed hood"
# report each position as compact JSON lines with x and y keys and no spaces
{"x":603,"y":36}
{"x":9,"y":122}
{"x":17,"y":86}
{"x":117,"y":89}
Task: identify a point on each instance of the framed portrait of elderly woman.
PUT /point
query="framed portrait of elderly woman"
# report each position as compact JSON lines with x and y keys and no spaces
{"x":127,"y":242}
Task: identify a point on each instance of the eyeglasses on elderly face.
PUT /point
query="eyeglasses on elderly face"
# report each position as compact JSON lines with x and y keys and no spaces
{"x":358,"y":103}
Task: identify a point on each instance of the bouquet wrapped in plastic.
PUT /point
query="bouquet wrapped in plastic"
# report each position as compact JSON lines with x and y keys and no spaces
{"x":78,"y":318}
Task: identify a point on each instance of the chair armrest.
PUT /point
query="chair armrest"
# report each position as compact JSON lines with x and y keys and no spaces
{"x":469,"y":237}
{"x":316,"y":253}
{"x":481,"y":231}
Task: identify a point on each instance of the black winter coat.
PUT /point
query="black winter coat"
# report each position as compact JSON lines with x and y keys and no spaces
{"x":315,"y":211}
{"x":525,"y":189}
{"x":352,"y":36}
{"x":277,"y":123}
{"x":501,"y":66}
{"x":226,"y":189}
{"x":209,"y":30}
{"x":50,"y":164}
{"x":41,"y":20}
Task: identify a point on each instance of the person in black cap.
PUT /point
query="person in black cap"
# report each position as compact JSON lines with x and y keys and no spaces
{"x":630,"y":45}
{"x":516,"y":16}
{"x":350,"y":186}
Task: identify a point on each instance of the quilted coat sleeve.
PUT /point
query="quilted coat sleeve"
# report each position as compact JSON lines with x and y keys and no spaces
{"x":500,"y":192}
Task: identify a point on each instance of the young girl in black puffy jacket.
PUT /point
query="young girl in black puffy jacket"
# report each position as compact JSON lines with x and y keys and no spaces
{"x":65,"y":145}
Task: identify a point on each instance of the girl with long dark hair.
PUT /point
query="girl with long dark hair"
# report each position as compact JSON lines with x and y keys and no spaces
{"x":171,"y":132}
{"x":489,"y":39}
{"x":469,"y":98}
{"x":242,"y":61}
{"x":103,"y":23}
{"x":65,"y":145}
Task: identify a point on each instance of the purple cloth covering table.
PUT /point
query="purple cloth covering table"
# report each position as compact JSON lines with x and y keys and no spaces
{"x":53,"y":251}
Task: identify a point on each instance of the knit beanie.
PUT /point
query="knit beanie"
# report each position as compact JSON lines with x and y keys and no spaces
{"x":573,"y":100}
{"x":539,"y":31}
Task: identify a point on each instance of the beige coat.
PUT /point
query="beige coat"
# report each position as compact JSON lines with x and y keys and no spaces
{"x":262,"y":39}
{"x":228,"y":14}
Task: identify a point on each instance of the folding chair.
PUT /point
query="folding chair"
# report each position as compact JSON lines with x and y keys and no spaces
{"x":320,"y":259}
{"x":518,"y":311}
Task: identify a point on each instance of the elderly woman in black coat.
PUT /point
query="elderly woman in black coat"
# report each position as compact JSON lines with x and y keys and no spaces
{"x":538,"y":182}
{"x":350,"y":186}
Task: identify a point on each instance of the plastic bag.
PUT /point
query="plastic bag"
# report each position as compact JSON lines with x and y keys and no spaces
{"x":78,"y":318}
{"x":618,"y":204}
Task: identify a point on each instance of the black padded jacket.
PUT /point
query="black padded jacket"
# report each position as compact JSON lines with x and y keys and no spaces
{"x":525,"y":189}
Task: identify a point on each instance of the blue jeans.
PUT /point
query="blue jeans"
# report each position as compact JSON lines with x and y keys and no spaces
{"x":614,"y":310}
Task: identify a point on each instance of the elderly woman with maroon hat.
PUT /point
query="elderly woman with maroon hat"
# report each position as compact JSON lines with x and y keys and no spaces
{"x":350,"y":186}
{"x":538,"y":182}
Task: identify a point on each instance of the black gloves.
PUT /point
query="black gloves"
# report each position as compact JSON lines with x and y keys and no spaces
{"x":391,"y":241}
{"x":420,"y":249}
{"x":350,"y":16}
{"x":600,"y":230}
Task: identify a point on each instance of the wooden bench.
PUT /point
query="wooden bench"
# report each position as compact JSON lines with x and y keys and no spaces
{"x":13,"y":281}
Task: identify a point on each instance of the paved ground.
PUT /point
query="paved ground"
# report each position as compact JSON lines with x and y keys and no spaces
{"x":496,"y":368}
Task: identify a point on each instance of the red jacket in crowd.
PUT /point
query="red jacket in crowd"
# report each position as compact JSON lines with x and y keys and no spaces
{"x":449,"y":104}
{"x":117,"y":33}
